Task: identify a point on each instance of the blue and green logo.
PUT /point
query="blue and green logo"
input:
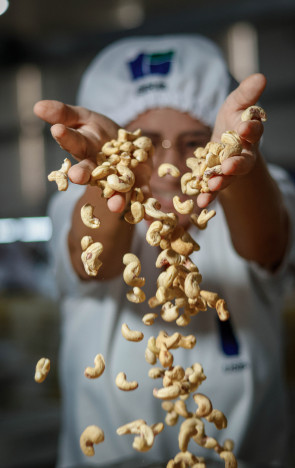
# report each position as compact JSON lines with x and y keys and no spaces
{"x":151,"y":64}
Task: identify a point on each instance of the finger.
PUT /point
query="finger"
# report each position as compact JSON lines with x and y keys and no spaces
{"x":204,"y":199}
{"x":80,"y":145}
{"x":219,"y":182}
{"x":57,"y":112}
{"x":238,"y":165}
{"x":80,"y":173}
{"x":251,"y":130}
{"x":248,"y":92}
{"x":117,"y":203}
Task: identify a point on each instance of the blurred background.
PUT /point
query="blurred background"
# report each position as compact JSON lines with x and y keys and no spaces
{"x":44,"y":49}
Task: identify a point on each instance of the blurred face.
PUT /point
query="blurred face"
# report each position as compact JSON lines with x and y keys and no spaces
{"x":175,"y":136}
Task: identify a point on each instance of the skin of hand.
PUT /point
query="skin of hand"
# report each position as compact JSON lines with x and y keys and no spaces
{"x":82,"y":133}
{"x":229,"y":118}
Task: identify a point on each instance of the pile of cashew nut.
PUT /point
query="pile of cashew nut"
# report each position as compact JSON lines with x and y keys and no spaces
{"x":179,"y":294}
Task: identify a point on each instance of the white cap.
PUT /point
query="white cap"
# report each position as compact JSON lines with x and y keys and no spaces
{"x":185,"y":72}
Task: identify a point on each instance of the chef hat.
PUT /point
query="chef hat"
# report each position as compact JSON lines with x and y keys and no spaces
{"x":184,"y":72}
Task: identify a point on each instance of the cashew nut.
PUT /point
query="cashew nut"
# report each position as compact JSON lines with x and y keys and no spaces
{"x":187,"y":342}
{"x":184,"y":319}
{"x":90,"y":436}
{"x":131,"y":335}
{"x":124,"y":135}
{"x":182,"y":242}
{"x":166,"y":168}
{"x":61,"y":176}
{"x":153,"y":235}
{"x":185,"y":207}
{"x":221,"y":309}
{"x":97,"y":370}
{"x":181,"y":409}
{"x":147,"y":434}
{"x":186,"y":458}
{"x":218,"y":418}
{"x":254,"y":112}
{"x":152,"y":209}
{"x":136,"y":213}
{"x":169,"y":312}
{"x":168,"y":257}
{"x":204,"y":405}
{"x":189,"y":184}
{"x":131,"y":428}
{"x":149,"y":318}
{"x":167,"y":277}
{"x":144,"y":143}
{"x":145,"y":440}
{"x":150,"y":357}
{"x":102,"y":171}
{"x":165,"y":357}
{"x":136,"y":295}
{"x":156,"y":373}
{"x":228,"y":445}
{"x":86,"y":241}
{"x":202,"y":219}
{"x":124,"y":384}
{"x":107,"y":191}
{"x":125,"y":182}
{"x":187,"y":430}
{"x":191,"y":285}
{"x":233,"y":145}
{"x":87,"y":216}
{"x":42,"y":370}
{"x":167,"y":393}
{"x":132,"y":271}
{"x":137,"y":195}
{"x":90,"y":258}
{"x":229,"y":458}
{"x":152,"y":345}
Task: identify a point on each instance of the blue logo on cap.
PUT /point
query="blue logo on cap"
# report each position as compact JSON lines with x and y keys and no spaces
{"x":151,"y":64}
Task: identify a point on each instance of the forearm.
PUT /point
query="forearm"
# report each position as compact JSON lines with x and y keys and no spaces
{"x":256,"y":216}
{"x":114,"y":234}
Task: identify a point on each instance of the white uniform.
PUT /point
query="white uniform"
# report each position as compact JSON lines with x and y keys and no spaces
{"x":242,"y":358}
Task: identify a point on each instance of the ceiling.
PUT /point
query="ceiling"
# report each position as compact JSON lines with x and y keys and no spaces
{"x":48,"y":29}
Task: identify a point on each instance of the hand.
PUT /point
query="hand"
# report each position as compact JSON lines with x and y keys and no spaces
{"x":250,"y":132}
{"x":82,"y":133}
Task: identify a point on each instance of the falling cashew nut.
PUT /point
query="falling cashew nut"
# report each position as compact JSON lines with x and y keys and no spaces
{"x":168,"y":169}
{"x":61,"y":176}
{"x":90,"y":436}
{"x":97,"y":370}
{"x":124,"y":384}
{"x":90,"y":258}
{"x":185,"y":207}
{"x":87,"y":216}
{"x":131,"y":335}
{"x":42,"y":370}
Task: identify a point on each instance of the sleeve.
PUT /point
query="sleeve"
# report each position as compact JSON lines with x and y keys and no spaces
{"x":60,"y":210}
{"x":68,"y":283}
{"x":284,"y":275}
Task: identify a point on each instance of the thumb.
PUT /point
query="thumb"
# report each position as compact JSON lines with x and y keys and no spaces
{"x":247,"y":93}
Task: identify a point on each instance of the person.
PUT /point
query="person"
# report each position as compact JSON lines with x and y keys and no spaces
{"x":178,"y":91}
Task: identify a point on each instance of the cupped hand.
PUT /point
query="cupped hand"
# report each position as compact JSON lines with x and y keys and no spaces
{"x":82,"y":133}
{"x":250,"y":132}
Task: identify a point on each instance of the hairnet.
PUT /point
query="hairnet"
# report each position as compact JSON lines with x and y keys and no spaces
{"x":130,"y":76}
